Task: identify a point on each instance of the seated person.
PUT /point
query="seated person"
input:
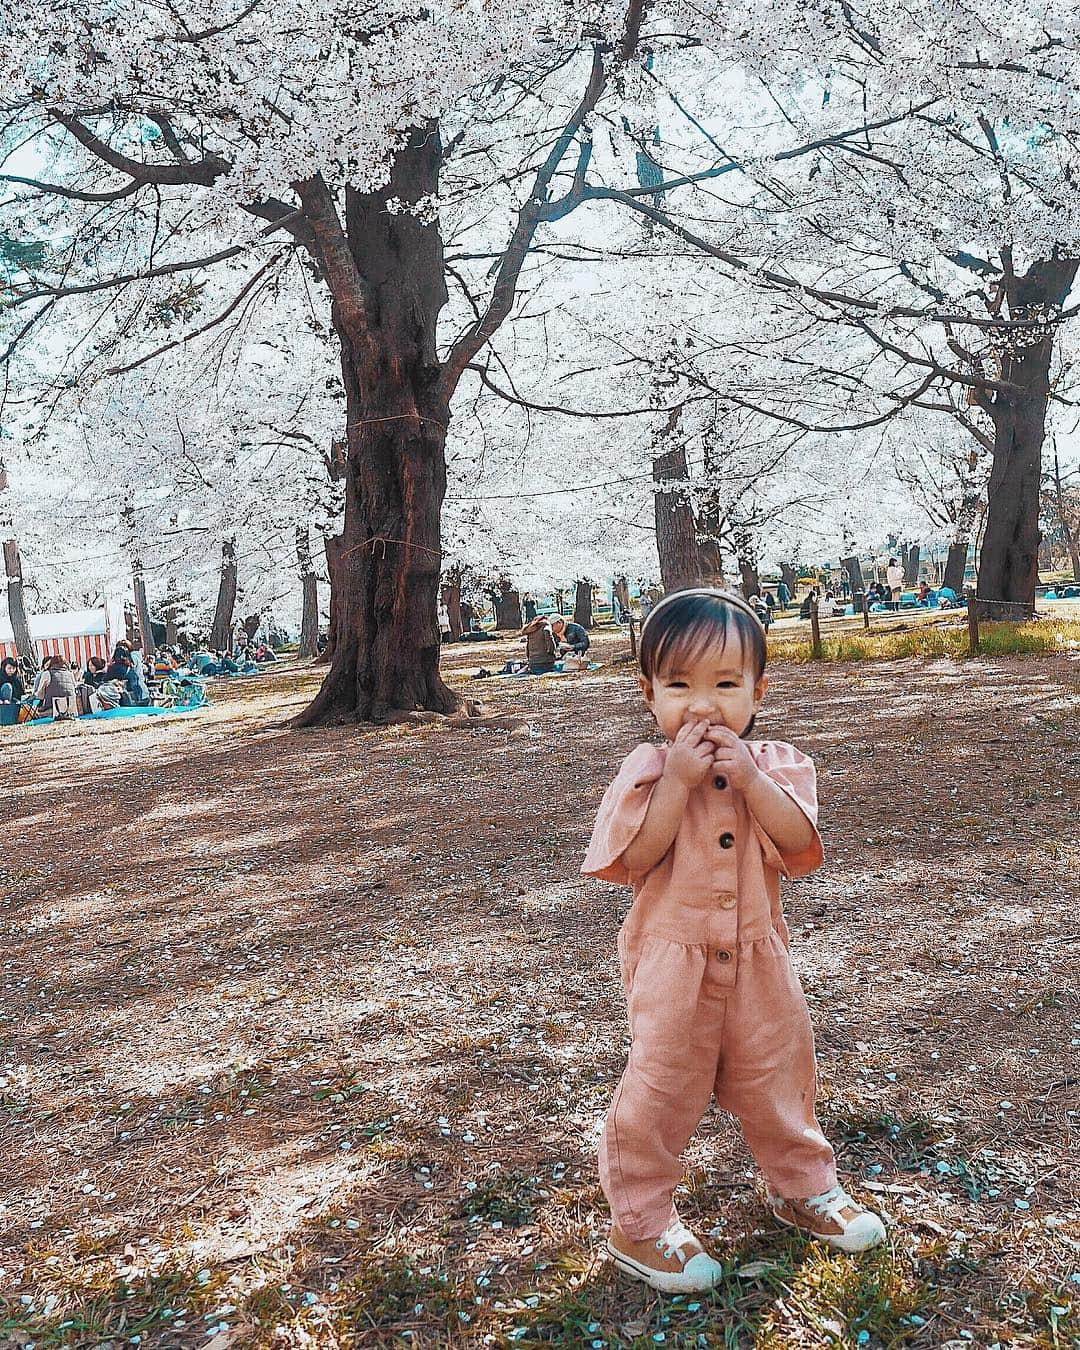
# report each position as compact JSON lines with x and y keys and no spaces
{"x":123,"y":671}
{"x":569,"y":636}
{"x":164,"y":663}
{"x":540,"y":647}
{"x":108,"y":694}
{"x":946,"y":597}
{"x":94,"y":674}
{"x":264,"y":652}
{"x":57,"y":680}
{"x":12,"y":689}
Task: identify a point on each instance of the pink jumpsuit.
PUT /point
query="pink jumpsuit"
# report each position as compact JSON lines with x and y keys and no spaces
{"x":714,"y":1005}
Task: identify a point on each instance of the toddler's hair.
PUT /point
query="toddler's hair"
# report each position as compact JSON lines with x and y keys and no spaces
{"x":685,"y":623}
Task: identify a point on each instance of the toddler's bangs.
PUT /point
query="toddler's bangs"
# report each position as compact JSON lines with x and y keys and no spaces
{"x":684,"y":629}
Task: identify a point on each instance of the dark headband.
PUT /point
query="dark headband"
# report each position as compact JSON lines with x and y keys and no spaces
{"x":729,"y":597}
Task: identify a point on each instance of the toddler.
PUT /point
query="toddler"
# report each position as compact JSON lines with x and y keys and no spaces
{"x":701,"y":828}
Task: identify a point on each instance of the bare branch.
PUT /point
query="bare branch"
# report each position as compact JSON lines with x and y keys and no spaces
{"x":835,"y":299}
{"x":165,"y":270}
{"x":188,"y":337}
{"x":530,"y":215}
{"x":57,"y":190}
{"x":203,"y":172}
{"x":587,"y":413}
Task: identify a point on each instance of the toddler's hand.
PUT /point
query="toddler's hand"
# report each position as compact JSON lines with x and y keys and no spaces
{"x":691,"y":754}
{"x":732,"y":758}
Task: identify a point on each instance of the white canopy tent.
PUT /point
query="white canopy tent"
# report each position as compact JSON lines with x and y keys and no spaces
{"x":76,"y":635}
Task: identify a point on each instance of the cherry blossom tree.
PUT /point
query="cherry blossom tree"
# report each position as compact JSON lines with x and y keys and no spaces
{"x":325,"y":129}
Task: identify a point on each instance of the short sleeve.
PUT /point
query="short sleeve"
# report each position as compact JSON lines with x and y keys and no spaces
{"x":793,"y":771}
{"x":622,"y":812}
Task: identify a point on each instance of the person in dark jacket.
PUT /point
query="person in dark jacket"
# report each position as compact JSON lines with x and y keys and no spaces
{"x":12,"y":689}
{"x":123,"y":670}
{"x":94,"y":674}
{"x":571,"y":637}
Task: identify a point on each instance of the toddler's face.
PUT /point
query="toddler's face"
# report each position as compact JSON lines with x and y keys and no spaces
{"x":716,"y":687}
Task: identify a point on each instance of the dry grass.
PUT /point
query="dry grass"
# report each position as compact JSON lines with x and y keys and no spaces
{"x":309,"y":1035}
{"x":942,"y":639}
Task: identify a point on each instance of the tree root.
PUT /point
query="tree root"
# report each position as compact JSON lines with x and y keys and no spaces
{"x":472,"y":717}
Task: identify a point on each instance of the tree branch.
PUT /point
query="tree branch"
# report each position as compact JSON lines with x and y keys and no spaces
{"x":203,"y":172}
{"x":188,"y":337}
{"x":57,"y":190}
{"x":347,"y":286}
{"x":835,"y":299}
{"x":531,"y":213}
{"x":165,"y":270}
{"x":488,"y":382}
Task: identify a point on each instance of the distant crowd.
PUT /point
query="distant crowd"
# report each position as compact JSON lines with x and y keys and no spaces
{"x":124,"y":681}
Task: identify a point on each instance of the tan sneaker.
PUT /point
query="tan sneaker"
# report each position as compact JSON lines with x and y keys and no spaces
{"x":673,"y":1263}
{"x":833,"y":1218}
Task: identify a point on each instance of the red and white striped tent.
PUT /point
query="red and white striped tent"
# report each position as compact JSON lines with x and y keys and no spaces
{"x":76,"y":636}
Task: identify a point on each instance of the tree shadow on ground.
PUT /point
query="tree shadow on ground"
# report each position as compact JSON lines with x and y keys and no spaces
{"x":257,"y":983}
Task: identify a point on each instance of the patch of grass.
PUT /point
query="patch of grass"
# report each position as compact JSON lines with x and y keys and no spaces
{"x":509,"y":1198}
{"x":407,"y":1292}
{"x":875,"y":1299}
{"x":918,"y":1145}
{"x":909,"y":1144}
{"x":84,"y":1306}
{"x":1040,"y":638}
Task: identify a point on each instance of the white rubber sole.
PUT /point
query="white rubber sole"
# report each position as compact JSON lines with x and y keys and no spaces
{"x":706,"y":1276}
{"x":849,"y":1242}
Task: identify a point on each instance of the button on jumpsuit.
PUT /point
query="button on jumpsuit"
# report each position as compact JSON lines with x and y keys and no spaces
{"x":714,"y":1005}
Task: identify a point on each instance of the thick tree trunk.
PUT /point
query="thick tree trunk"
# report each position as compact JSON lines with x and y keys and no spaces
{"x":853,"y":568}
{"x":309,"y":582}
{"x":222,"y":627}
{"x":1008,"y":560}
{"x":622,"y":595}
{"x":20,"y":626}
{"x":912,"y":553}
{"x":956,"y":565}
{"x":386,"y":638}
{"x":710,"y":562}
{"x":250,"y":625}
{"x":789,"y":577}
{"x":172,"y":635}
{"x":451,"y":598}
{"x":332,"y":549}
{"x":1066,"y":528}
{"x":583,"y":604}
{"x":676,"y":537}
{"x":142,"y":609}
{"x":748,"y":576}
{"x":507,"y":604}
{"x":16,"y":600}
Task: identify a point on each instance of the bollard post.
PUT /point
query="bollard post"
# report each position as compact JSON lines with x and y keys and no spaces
{"x":815,"y":632}
{"x":633,"y":639}
{"x":866,"y":613}
{"x":973,"y":623}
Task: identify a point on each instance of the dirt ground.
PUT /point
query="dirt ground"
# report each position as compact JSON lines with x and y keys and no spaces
{"x":307,"y":1036}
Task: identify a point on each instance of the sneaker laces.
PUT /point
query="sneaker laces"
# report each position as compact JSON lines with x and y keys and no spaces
{"x":830,"y":1203}
{"x":672,"y":1240}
